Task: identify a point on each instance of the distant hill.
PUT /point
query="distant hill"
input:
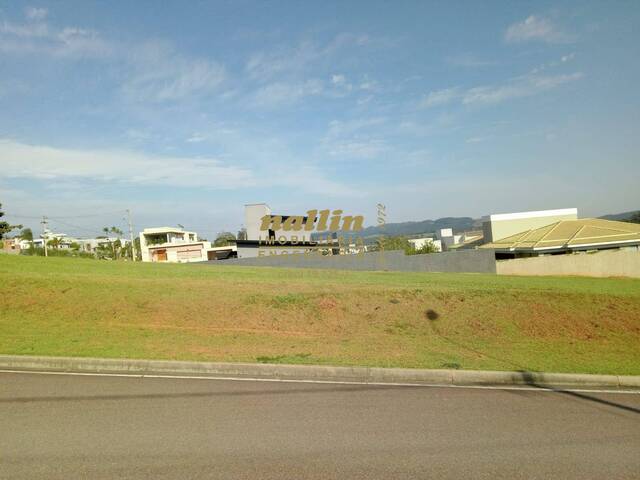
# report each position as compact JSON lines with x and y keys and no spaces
{"x":458,"y":224}
{"x":619,"y":216}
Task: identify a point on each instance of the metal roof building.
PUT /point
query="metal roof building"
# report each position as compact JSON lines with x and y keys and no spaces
{"x":565,"y":236}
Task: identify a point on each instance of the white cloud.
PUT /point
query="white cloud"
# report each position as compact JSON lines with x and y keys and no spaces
{"x":535,"y":28}
{"x":34,"y":13}
{"x":469,"y":61}
{"x":355,"y":138}
{"x":476,"y":139}
{"x":358,"y":149}
{"x":161,"y":74}
{"x":265,"y":65}
{"x":299,"y":177}
{"x":338,"y":79}
{"x":44,"y":162}
{"x":527,"y":85}
{"x":282,"y":93}
{"x":196,"y":138}
{"x":524,"y":87}
{"x":37,"y":37}
{"x":153,"y":71}
{"x":287,"y":60}
{"x":76,"y":167}
{"x":440,"y":97}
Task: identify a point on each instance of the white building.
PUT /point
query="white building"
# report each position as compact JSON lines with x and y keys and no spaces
{"x":26,"y":244}
{"x":447,"y":238}
{"x":90,"y":245}
{"x":169,"y":244}
{"x":274,"y":239}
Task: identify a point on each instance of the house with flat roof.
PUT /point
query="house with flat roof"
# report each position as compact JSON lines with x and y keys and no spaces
{"x":172,"y":244}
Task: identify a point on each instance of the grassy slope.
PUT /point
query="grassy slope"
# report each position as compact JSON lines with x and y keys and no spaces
{"x":76,"y":307}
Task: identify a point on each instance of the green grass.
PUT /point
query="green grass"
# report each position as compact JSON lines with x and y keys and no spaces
{"x":81,"y":307}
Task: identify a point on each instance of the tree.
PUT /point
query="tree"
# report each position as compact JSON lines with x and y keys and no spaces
{"x":223,"y":239}
{"x":395,"y":243}
{"x":26,"y":234}
{"x":402,"y":243}
{"x":136,"y":242}
{"x":54,"y":242}
{"x":115,"y":247}
{"x":5,"y":227}
{"x":428,"y":247}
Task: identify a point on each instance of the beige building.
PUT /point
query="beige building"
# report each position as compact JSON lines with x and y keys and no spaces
{"x":498,"y":226}
{"x":568,"y":236}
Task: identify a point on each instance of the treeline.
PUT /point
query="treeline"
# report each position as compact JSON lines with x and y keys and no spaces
{"x":401,"y":243}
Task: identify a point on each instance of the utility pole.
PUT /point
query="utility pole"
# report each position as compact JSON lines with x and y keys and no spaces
{"x":44,"y":223}
{"x":133,"y":248}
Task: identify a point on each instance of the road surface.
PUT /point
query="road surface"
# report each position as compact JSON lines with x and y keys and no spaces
{"x":97,"y":427}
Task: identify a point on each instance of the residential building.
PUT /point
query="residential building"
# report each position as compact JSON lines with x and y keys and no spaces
{"x":25,"y":244}
{"x":447,"y":238}
{"x":91,"y":245}
{"x":169,"y":244}
{"x":10,"y":245}
{"x":468,"y":241}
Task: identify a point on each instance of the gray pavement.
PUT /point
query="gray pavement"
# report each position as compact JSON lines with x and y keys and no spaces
{"x":96,"y":427}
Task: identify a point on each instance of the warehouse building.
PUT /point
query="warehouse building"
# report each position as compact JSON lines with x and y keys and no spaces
{"x":502,"y":225}
{"x":568,"y":236}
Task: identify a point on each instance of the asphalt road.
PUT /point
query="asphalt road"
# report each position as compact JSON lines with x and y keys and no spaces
{"x":72,"y":427}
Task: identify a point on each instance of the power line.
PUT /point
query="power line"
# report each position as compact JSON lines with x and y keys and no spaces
{"x":103,"y":214}
{"x":91,"y":230}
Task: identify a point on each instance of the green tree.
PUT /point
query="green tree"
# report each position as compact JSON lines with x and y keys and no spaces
{"x":26,"y":234}
{"x":136,"y":243}
{"x":114,"y":247}
{"x":428,"y":247}
{"x":54,"y":242}
{"x":401,"y":243}
{"x":396,"y":243}
{"x":5,"y":227}
{"x":223,"y":239}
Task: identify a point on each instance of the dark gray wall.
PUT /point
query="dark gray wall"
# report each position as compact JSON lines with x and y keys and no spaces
{"x":472,"y":261}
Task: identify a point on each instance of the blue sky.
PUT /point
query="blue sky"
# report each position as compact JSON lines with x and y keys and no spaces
{"x":184,"y":112}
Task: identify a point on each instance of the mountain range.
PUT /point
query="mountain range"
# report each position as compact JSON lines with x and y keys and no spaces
{"x":458,"y":224}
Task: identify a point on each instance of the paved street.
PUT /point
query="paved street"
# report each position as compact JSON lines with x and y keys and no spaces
{"x":70,"y":427}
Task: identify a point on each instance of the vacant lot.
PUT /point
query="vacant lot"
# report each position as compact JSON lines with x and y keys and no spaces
{"x":79,"y":307}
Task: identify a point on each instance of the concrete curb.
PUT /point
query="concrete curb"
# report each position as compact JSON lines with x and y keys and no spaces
{"x":316,"y":373}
